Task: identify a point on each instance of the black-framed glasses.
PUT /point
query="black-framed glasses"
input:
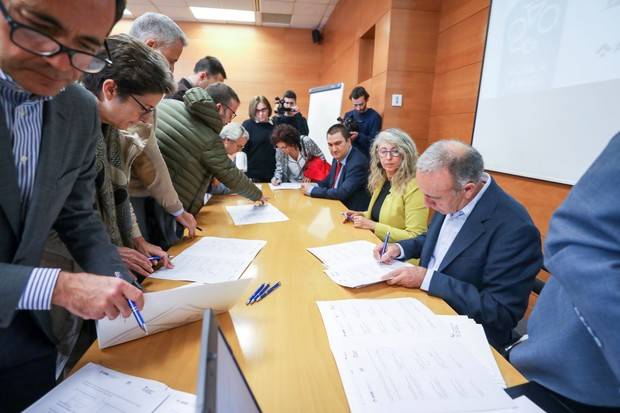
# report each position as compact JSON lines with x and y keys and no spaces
{"x":42,"y":44}
{"x":231,"y":111}
{"x":145,"y":110}
{"x":383,"y":153}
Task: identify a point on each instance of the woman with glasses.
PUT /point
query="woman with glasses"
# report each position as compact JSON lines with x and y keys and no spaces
{"x":292,"y":153}
{"x":127,"y":91}
{"x":397,"y":204}
{"x":260,"y":150}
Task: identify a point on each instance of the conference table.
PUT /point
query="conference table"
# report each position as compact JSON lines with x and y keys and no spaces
{"x":280,"y":342}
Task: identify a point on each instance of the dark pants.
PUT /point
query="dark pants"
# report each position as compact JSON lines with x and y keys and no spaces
{"x":27,"y":363}
{"x":157,"y":226}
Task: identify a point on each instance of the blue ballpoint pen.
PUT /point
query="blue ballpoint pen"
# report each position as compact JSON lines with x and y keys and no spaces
{"x":255,"y":293}
{"x":154,"y":258}
{"x":134,"y":310}
{"x":269,"y":291}
{"x":259,"y":293}
{"x":385,"y":244}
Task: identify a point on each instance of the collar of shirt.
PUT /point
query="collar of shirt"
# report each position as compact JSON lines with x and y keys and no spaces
{"x":466,"y":210}
{"x":344,"y":161}
{"x":8,"y":84}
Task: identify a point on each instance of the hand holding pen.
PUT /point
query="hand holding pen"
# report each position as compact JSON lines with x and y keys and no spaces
{"x":134,"y":309}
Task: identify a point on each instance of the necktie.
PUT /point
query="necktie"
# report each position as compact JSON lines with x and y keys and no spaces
{"x":338,"y":167}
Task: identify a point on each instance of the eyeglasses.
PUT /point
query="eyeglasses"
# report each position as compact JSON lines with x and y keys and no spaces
{"x":41,"y":44}
{"x":145,"y":110}
{"x":394,"y":153}
{"x":262,"y":110}
{"x":231,"y":111}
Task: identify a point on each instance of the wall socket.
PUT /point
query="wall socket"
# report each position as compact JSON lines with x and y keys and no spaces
{"x":397,"y":100}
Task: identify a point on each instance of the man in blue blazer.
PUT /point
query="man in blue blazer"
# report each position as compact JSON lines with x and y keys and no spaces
{"x":348,"y":176}
{"x":481,"y":253}
{"x":573,"y":346}
{"x":48,"y":130}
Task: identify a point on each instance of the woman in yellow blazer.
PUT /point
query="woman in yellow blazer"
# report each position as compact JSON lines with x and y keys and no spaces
{"x":397,"y":204}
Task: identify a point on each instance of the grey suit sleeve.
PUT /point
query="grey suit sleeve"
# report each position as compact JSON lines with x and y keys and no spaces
{"x":79,"y":224}
{"x":582,"y":251}
{"x":509,"y":269}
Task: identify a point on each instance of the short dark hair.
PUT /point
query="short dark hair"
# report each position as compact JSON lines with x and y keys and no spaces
{"x":120,"y":9}
{"x":222,"y":93}
{"x":290,"y":94}
{"x":211,"y":65}
{"x":287,"y":134}
{"x":136,"y":69}
{"x":254,"y":103}
{"x":358,"y":92}
{"x":339,"y":127}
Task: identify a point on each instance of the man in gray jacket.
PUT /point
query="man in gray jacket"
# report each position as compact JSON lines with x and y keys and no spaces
{"x":48,"y":128}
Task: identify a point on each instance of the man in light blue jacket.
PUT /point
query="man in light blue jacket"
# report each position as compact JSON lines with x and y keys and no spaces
{"x":573,"y":347}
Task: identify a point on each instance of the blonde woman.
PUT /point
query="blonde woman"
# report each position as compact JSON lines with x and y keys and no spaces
{"x":397,"y":204}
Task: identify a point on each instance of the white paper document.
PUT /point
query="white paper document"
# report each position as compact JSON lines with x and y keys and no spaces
{"x":212,"y":260}
{"x":167,"y":309}
{"x":471,"y":335}
{"x":285,"y":185}
{"x":255,"y":214}
{"x":95,"y":388}
{"x":428,"y":376}
{"x":349,"y":321}
{"x":396,"y":355}
{"x":352,"y":264}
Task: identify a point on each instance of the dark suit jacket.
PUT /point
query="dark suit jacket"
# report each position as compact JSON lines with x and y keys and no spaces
{"x":351,"y":189}
{"x":63,"y":199}
{"x":489,"y":270}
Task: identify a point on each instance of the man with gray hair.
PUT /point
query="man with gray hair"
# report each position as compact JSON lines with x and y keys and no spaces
{"x":153,"y":196}
{"x":481,"y":252}
{"x":159,"y":32}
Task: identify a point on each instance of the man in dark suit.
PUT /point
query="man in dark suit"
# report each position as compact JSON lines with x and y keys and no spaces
{"x":481,"y":252}
{"x":48,"y":129}
{"x":573,"y":345}
{"x":348,"y":175}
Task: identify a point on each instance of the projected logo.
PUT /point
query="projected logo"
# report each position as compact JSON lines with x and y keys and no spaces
{"x":532,"y":38}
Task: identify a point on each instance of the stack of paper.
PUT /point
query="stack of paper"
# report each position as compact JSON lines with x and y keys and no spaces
{"x":351,"y":264}
{"x":95,"y":388}
{"x":212,"y":260}
{"x":396,"y":355}
{"x":167,"y":309}
{"x":285,"y":185}
{"x":255,"y":214}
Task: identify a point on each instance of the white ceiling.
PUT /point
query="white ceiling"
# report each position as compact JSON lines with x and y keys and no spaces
{"x":305,"y":14}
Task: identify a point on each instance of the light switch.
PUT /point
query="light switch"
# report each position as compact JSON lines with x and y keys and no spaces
{"x":397,"y":100}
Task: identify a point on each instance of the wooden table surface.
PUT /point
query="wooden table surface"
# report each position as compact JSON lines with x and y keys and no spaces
{"x":280,"y":342}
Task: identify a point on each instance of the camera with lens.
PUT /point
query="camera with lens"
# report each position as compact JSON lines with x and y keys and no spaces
{"x":280,"y":109}
{"x":350,"y":123}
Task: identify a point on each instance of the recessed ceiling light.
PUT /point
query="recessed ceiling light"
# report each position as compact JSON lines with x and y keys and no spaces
{"x":126,"y":12}
{"x":231,"y":15}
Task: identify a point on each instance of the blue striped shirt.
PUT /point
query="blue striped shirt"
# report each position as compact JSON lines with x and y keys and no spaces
{"x":23,"y":113}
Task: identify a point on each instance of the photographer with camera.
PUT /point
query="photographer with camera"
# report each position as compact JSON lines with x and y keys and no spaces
{"x":288,"y":113}
{"x":367,"y":121}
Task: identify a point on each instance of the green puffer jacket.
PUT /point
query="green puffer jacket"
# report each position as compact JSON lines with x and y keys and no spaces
{"x":187,"y":134}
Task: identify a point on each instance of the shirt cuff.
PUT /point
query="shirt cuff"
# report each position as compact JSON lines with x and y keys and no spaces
{"x":426,"y":282}
{"x":178,"y":213}
{"x":309,"y":189}
{"x":402,"y":252}
{"x":38,"y":292}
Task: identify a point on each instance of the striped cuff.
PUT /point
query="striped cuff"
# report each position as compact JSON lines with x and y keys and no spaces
{"x":38,"y":292}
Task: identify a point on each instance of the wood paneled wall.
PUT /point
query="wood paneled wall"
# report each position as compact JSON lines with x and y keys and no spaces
{"x":258,"y":60}
{"x":405,"y":43}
